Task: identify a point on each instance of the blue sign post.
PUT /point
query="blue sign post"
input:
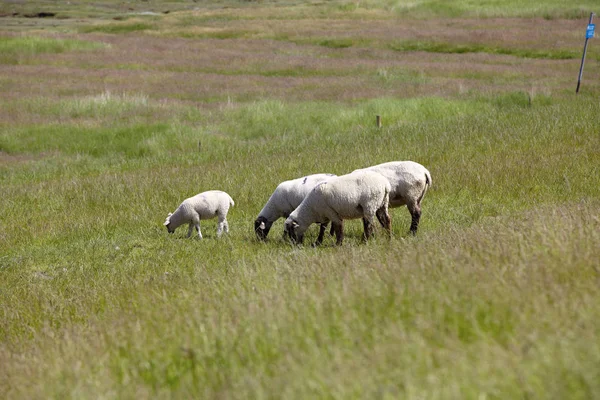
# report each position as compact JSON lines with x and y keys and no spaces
{"x":589,"y":33}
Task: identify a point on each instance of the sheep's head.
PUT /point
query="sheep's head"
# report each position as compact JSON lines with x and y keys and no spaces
{"x":262,"y":226}
{"x":168,"y":223}
{"x":291,"y":229}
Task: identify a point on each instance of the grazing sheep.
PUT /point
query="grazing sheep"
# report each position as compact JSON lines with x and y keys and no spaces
{"x":205,"y":205}
{"x":363,"y":194}
{"x":287,"y":196}
{"x":410,"y":181}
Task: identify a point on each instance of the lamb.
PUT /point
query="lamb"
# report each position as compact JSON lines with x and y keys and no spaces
{"x":287,"y":196}
{"x":362,"y":194}
{"x":410,"y":181}
{"x":205,"y":205}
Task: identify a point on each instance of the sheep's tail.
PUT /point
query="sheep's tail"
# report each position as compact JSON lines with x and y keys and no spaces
{"x":428,"y":180}
{"x":428,"y":183}
{"x":231,"y":202}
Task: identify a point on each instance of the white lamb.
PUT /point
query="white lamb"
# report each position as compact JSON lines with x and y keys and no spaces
{"x":410,"y":181}
{"x":205,"y":205}
{"x":363,"y":194}
{"x":287,"y":196}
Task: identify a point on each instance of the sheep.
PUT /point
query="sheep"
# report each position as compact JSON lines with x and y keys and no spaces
{"x":362,"y":194}
{"x":287,"y":196}
{"x":410,"y":181}
{"x":205,"y":205}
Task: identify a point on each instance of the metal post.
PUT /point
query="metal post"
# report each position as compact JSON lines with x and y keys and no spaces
{"x":583,"y":57}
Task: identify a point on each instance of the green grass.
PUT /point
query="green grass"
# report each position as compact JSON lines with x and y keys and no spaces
{"x":119,"y":28}
{"x":549,"y":9}
{"x":496,"y":297}
{"x":13,"y":50}
{"x":452,"y":48}
{"x":510,"y":209}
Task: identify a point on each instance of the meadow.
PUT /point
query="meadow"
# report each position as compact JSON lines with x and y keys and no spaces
{"x":111,"y":113}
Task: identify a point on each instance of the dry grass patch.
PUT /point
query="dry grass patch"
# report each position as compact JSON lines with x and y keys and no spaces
{"x":208,"y":71}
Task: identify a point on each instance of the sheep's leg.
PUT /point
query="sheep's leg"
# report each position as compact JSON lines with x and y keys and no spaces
{"x":338,"y":229}
{"x":415,"y":212}
{"x":195,"y":223}
{"x":220,"y":226}
{"x":368,"y":228}
{"x":384,"y":219}
{"x":322,"y":229}
{"x":190,"y":229}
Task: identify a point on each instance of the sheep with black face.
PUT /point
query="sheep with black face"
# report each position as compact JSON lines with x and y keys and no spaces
{"x":287,"y":196}
{"x":363,"y":194}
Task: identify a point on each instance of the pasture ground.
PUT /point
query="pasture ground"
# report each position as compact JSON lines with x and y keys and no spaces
{"x":111,"y":113}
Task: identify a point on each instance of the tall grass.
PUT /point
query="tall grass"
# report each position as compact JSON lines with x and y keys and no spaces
{"x":496,"y":297}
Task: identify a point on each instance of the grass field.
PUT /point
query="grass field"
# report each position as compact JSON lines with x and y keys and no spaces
{"x":111,"y":113}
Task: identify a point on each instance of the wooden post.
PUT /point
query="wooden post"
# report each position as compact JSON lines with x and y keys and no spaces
{"x":378,"y":120}
{"x":583,"y":57}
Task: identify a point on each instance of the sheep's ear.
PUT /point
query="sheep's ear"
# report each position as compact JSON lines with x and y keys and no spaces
{"x":167,"y":222}
{"x":169,"y":215}
{"x":262,"y":225}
